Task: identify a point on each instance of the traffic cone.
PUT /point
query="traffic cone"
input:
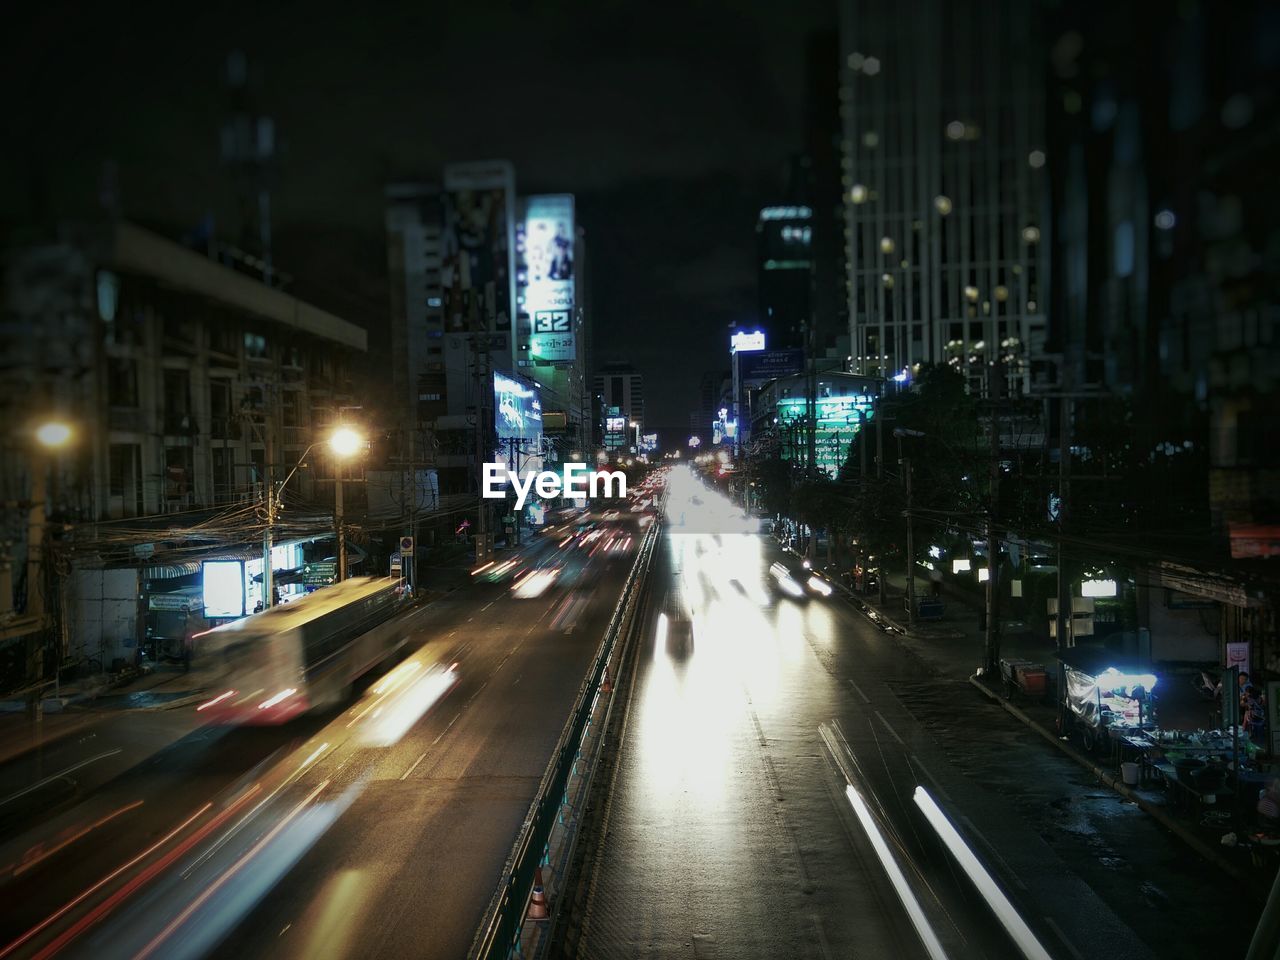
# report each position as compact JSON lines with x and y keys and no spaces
{"x":538,"y":901}
{"x":607,"y":685}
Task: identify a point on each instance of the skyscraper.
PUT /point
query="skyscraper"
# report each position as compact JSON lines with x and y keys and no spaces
{"x":943,"y":167}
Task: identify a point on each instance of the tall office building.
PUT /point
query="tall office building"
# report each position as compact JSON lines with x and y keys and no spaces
{"x":551,"y":319}
{"x":620,"y":385}
{"x":942,"y":109}
{"x":1163,"y":290}
{"x":784,"y":238}
{"x":414,"y":351}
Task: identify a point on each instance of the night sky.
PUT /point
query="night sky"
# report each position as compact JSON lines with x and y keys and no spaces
{"x":671,"y":124}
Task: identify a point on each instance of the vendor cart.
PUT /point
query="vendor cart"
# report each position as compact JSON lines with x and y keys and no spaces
{"x":1023,"y":677}
{"x":1104,"y":697}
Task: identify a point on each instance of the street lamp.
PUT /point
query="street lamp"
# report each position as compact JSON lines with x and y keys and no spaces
{"x":53,"y":434}
{"x":343,"y":442}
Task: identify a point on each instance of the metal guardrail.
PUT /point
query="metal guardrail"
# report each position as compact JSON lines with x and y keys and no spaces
{"x":499,"y":931}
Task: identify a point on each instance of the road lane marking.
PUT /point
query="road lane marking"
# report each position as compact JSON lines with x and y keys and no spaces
{"x":61,"y":773}
{"x":858,"y":690}
{"x":284,"y":930}
{"x":486,"y":606}
{"x":892,"y":732}
{"x":405,"y":775}
{"x":518,"y":679}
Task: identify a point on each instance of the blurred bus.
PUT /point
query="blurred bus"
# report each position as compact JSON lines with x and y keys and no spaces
{"x":275,"y":665}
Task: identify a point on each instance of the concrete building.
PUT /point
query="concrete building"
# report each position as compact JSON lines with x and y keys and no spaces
{"x":620,"y":385}
{"x":186,"y":384}
{"x":942,"y":111}
{"x":414,"y":347}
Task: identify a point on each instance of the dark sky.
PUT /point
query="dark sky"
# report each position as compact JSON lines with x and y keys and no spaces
{"x":671,"y":124}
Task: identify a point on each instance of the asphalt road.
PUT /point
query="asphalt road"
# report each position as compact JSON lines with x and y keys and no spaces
{"x":379,"y":831}
{"x":728,"y":831}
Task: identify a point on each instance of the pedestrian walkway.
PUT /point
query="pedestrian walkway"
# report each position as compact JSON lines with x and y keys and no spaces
{"x":954,"y":646}
{"x":77,"y":706}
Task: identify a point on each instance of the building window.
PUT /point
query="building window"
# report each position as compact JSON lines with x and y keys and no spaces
{"x":255,"y":346}
{"x":224,"y":477}
{"x":177,"y":401}
{"x":220,"y":419}
{"x":108,"y":295}
{"x":124,"y":476}
{"x":122,"y":382}
{"x":222,"y":339}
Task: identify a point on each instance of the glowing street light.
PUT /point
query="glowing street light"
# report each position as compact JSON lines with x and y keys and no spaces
{"x":53,"y":434}
{"x":345,"y":441}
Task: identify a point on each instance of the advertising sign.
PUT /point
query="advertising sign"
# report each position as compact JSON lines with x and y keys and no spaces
{"x":547,"y":278}
{"x":517,"y":409}
{"x":615,"y":433}
{"x":744,"y":342}
{"x":648,"y":443}
{"x":477,"y":268}
{"x":758,"y":368}
{"x":223,"y":587}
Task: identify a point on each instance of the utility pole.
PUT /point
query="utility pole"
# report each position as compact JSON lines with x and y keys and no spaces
{"x":337,"y":520}
{"x":911,"y":552}
{"x":269,"y":493}
{"x":1064,"y":488}
{"x":992,"y":644}
{"x":412,"y":567}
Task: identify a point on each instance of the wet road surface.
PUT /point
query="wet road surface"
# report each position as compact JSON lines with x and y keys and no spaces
{"x":377,"y":831}
{"x":727,"y":833}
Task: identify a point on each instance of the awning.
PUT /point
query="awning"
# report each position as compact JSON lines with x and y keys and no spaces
{"x":168,"y":571}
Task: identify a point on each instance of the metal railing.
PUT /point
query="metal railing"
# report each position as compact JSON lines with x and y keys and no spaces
{"x":499,"y":931}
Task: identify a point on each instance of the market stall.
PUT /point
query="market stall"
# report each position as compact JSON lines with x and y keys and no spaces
{"x":1103,"y":700}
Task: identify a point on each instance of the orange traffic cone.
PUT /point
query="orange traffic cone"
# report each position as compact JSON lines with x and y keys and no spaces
{"x":606,"y":685}
{"x":538,"y":901}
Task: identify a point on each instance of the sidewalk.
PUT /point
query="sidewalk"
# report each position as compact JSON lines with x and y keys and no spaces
{"x":83,"y":704}
{"x":955,"y":647}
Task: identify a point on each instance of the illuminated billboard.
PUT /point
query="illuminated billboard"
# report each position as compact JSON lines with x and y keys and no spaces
{"x":649,"y":443}
{"x":547,"y":278}
{"x":222,"y":583}
{"x":744,"y":342}
{"x":615,"y":433}
{"x":517,"y":409}
{"x":477,"y":267}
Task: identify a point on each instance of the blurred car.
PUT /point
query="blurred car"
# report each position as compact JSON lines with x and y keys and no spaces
{"x":679,"y":638}
{"x":783,"y":579}
{"x":534,"y":584}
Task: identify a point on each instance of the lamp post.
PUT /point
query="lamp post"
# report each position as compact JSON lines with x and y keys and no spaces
{"x":51,"y":436}
{"x":899,"y":433}
{"x":344,"y":443}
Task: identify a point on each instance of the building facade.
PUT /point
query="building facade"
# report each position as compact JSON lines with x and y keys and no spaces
{"x":943,"y":157}
{"x":187,"y":386}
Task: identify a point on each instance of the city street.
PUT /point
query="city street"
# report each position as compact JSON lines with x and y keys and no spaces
{"x":421,"y":790}
{"x":727,"y":831}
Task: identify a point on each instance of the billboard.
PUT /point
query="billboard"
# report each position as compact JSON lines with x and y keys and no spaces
{"x":547,"y":278}
{"x":477,"y":266}
{"x":615,"y":433}
{"x":757,"y":368}
{"x":648,"y":443}
{"x":744,"y":342}
{"x":517,"y":409}
{"x":222,"y":585}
